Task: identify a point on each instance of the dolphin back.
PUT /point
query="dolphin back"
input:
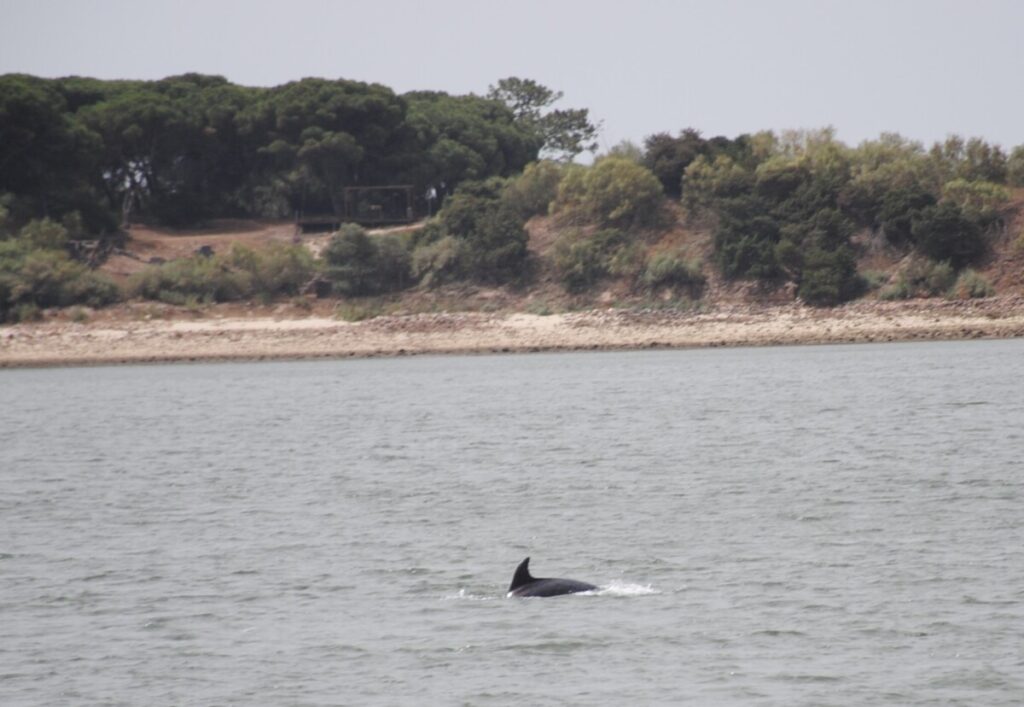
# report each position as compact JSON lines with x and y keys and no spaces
{"x":526,"y":585}
{"x":551,"y":587}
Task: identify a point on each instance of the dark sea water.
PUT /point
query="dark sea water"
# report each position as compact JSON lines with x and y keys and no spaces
{"x":837,"y":525}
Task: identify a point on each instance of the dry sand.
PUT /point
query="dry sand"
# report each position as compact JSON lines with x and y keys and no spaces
{"x":62,"y":343}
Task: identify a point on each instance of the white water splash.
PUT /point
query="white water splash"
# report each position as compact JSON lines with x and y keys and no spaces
{"x":625,"y":589}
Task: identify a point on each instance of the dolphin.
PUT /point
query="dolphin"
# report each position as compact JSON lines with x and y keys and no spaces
{"x":526,"y":585}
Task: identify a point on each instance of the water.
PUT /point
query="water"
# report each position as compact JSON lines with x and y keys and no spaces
{"x":824,"y":526}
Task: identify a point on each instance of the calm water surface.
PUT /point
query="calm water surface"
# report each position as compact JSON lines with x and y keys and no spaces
{"x":824,"y":526}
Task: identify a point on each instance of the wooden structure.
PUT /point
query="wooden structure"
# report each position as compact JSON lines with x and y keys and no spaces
{"x":367,"y":206}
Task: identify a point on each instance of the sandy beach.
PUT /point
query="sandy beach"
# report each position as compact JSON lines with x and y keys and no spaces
{"x":216,"y":337}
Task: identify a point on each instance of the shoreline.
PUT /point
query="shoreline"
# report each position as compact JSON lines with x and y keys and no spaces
{"x":262,"y":337}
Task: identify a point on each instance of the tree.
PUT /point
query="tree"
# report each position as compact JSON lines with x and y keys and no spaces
{"x":815,"y":253}
{"x":316,"y":136}
{"x":829,"y":277}
{"x":899,"y":209}
{"x":745,"y":237}
{"x":972,"y":159}
{"x":668,"y":157}
{"x":490,"y":228}
{"x":192,"y":147}
{"x":451,"y":139}
{"x":48,"y":157}
{"x":944,"y":233}
{"x":562,"y":133}
{"x":331,"y":159}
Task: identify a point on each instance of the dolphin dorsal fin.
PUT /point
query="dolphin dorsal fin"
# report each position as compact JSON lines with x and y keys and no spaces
{"x":522,"y":575}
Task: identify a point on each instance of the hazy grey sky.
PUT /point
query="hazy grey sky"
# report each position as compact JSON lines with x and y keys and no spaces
{"x":923,"y":68}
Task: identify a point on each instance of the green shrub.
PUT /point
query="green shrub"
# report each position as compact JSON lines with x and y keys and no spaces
{"x":971,"y":284}
{"x":439,"y":262}
{"x":47,"y":278}
{"x":539,"y":307}
{"x":980,"y":202}
{"x":922,"y":278}
{"x":44,"y":234}
{"x":707,"y":181}
{"x":900,"y":289}
{"x":829,"y":277}
{"x":613,"y":192}
{"x":532,"y":192}
{"x":670,"y":270}
{"x":491,"y":231}
{"x":899,"y":209}
{"x":937,"y":279}
{"x":26,"y":312}
{"x":629,"y":150}
{"x":971,"y":159}
{"x":579,"y":261}
{"x":206,"y":279}
{"x":463,"y":210}
{"x":91,"y":289}
{"x":358,"y":264}
{"x":394,"y":262}
{"x":668,"y":157}
{"x":745,"y":238}
{"x":944,"y":233}
{"x":350,"y":261}
{"x":627,"y":260}
{"x":778,"y":178}
{"x":281,"y":269}
{"x":431,"y":232}
{"x":875,"y":279}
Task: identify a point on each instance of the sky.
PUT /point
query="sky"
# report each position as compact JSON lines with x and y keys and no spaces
{"x":922,"y":68}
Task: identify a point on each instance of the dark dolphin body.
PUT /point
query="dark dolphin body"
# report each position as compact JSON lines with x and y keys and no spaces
{"x":525,"y":585}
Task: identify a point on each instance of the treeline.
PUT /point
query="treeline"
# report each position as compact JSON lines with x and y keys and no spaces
{"x":798,"y":207}
{"x":192,"y":147}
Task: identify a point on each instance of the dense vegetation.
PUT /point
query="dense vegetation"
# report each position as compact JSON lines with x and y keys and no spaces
{"x":786,"y":208}
{"x":36,"y":271}
{"x":78,"y":156}
{"x":191,"y":147}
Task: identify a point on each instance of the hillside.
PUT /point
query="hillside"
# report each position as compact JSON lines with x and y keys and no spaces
{"x":1003,"y":266}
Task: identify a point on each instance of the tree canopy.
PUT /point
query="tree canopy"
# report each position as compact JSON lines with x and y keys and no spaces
{"x":192,"y":147}
{"x":563,"y":133}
